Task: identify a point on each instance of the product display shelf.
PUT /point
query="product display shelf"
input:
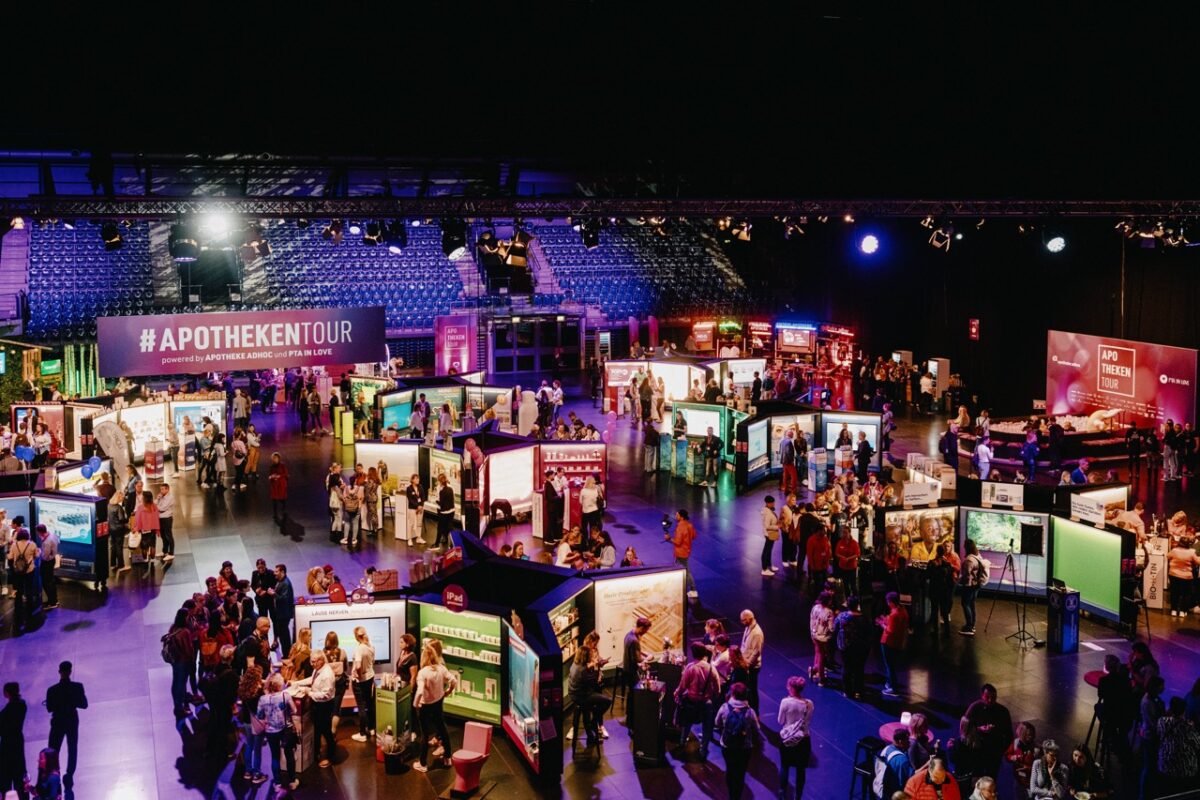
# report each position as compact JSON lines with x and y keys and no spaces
{"x":471,"y":658}
{"x":487,"y":710}
{"x":481,"y":640}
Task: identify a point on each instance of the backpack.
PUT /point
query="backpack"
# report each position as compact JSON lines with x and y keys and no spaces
{"x":172,"y":648}
{"x":975,"y":458}
{"x":739,"y":732}
{"x":979,"y":574}
{"x":22,"y":559}
{"x":887,"y":778}
{"x":795,"y":732}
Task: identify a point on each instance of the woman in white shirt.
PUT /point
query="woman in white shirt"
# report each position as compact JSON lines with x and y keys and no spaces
{"x":434,"y":682}
{"x":218,"y":455}
{"x":589,"y":504}
{"x":983,"y":457}
{"x":253,"y":445}
{"x":41,"y":446}
{"x":564,"y":553}
{"x":362,"y":678}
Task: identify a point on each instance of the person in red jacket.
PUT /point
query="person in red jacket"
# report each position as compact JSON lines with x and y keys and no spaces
{"x":893,"y":640}
{"x":685,"y":534}
{"x":278,"y":479}
{"x":846,"y":554}
{"x":933,"y":782}
{"x":819,"y":555}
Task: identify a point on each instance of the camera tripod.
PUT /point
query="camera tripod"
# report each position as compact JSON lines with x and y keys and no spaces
{"x":1024,"y":638}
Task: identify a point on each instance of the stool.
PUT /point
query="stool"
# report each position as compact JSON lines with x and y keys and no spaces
{"x":387,"y":506}
{"x":1142,"y":616}
{"x":618,"y":686}
{"x":1101,"y":749}
{"x":866,"y":750}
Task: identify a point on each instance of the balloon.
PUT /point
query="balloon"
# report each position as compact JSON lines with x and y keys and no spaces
{"x":25,"y":453}
{"x":88,"y":471}
{"x":94,"y":463}
{"x":607,"y":437}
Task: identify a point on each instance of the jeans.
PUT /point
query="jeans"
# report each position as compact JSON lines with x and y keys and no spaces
{"x":969,"y":593}
{"x":179,"y":680}
{"x":433,"y":722}
{"x":275,"y":743}
{"x":364,"y":698}
{"x":752,"y":686}
{"x":687,"y":572}
{"x":795,"y":757}
{"x":1170,"y":463}
{"x":70,"y":730}
{"x":710,"y":468}
{"x":322,"y":717}
{"x":282,"y":623}
{"x":49,"y":582}
{"x":167,"y":531}
{"x":737,"y":759}
{"x":350,"y":527}
{"x":985,"y":469}
{"x":891,"y":661}
{"x":252,"y":755}
{"x":651,"y":458}
{"x":768,"y":549}
{"x":789,"y":550}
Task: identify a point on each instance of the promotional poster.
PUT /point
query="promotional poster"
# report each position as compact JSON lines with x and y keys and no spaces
{"x":1144,"y":383}
{"x":454,"y":341}
{"x":168,"y":344}
{"x":803,"y":424}
{"x":658,"y":596}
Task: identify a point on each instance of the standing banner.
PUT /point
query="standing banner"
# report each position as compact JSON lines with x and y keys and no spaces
{"x":1148,"y":383}
{"x":454,"y":343}
{"x":169,"y":344}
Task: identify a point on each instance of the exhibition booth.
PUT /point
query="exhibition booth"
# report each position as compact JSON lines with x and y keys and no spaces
{"x":394,"y":406}
{"x":758,"y":438}
{"x":679,"y":374}
{"x":144,"y":421}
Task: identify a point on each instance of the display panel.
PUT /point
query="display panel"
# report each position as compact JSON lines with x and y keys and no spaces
{"x":16,"y":506}
{"x":1142,"y":382}
{"x":795,"y":340}
{"x":363,"y":390}
{"x":148,"y":422}
{"x":992,"y":530}
{"x":72,"y":522}
{"x":523,"y":702}
{"x":907,"y":526}
{"x":51,"y":415}
{"x":497,"y":398}
{"x":620,"y":373}
{"x":698,"y":421}
{"x":1115,"y":499}
{"x":397,"y":408}
{"x":757,"y":461}
{"x":439,"y":396}
{"x":803,"y":424}
{"x":510,"y":476}
{"x":658,"y":596}
{"x":471,"y":647}
{"x":379,"y":631}
{"x":677,"y":379}
{"x":196,"y":411}
{"x":742,"y":369}
{"x":1088,"y":559}
{"x":833,"y":424}
{"x":402,"y":459}
{"x":448,"y":463}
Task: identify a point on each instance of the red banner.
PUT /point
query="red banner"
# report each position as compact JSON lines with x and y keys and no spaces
{"x":454,"y":343}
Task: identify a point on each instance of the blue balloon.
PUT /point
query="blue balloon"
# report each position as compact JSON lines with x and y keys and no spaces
{"x":88,"y":471}
{"x":25,"y":453}
{"x":94,"y":463}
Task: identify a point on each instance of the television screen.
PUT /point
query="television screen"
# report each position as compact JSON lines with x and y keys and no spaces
{"x":379,"y":631}
{"x":699,"y":421}
{"x":907,"y":526}
{"x":757,"y":463}
{"x":71,"y":522}
{"x":523,"y":673}
{"x":992,"y":530}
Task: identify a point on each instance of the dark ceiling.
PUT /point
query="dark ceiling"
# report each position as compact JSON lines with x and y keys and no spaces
{"x":846,"y":99}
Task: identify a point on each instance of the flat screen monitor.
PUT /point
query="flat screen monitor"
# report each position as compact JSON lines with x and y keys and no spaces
{"x":698,"y":421}
{"x":992,"y":530}
{"x":72,"y":522}
{"x":758,"y":463}
{"x":379,"y":631}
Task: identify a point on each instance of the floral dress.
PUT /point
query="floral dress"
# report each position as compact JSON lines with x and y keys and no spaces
{"x":371,"y":504}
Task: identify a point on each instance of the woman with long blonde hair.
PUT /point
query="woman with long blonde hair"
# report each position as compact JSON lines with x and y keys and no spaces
{"x":434,"y":683}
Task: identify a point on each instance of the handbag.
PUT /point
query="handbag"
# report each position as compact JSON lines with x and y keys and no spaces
{"x":133,"y":540}
{"x":289,"y":739}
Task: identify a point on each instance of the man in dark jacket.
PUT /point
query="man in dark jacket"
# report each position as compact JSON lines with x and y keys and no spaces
{"x":63,"y":701}
{"x":262,"y":581}
{"x":283,"y":609}
{"x":220,"y":690}
{"x":554,"y":510}
{"x":1055,"y":434}
{"x":948,"y":446}
{"x":12,"y":742}
{"x":863,"y":453}
{"x":711,"y":448}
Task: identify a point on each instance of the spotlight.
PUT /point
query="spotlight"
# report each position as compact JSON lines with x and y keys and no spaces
{"x":1056,"y":244}
{"x":355,"y":230}
{"x":980,"y":224}
{"x":1174,"y":236}
{"x":589,"y":232}
{"x":215,"y":224}
{"x":454,"y":238}
{"x":182,"y":244}
{"x":869,"y":244}
{"x":374,"y":234}
{"x":942,"y":236}
{"x":16,"y":224}
{"x":848,"y":218}
{"x":927,"y":222}
{"x":517,"y":253}
{"x":110,"y":233}
{"x":741,"y":231}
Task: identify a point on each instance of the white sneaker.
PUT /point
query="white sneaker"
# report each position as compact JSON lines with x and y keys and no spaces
{"x":358,"y":737}
{"x":570,"y":734}
{"x":419,"y":767}
{"x":419,"y":541}
{"x":768,"y":573}
{"x":168,"y":557}
{"x":344,"y":541}
{"x":603,"y":733}
{"x":773,"y":569}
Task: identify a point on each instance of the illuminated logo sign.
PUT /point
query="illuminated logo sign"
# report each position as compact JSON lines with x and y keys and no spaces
{"x":454,"y":598}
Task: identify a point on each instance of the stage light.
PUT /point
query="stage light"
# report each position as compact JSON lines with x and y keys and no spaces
{"x":374,"y":233}
{"x":182,"y":244}
{"x":958,"y":237}
{"x":1174,"y":236}
{"x":215,"y":224}
{"x":869,"y":244}
{"x":942,"y":235}
{"x":927,"y":222}
{"x":396,"y":235}
{"x":589,"y":232}
{"x":454,"y":238}
{"x":355,"y":230}
{"x":16,"y":224}
{"x":110,"y":233}
{"x":1056,"y":244}
{"x":848,"y":218}
{"x":333,"y":231}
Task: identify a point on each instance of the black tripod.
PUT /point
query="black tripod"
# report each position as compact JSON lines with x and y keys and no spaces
{"x":1022,"y":634}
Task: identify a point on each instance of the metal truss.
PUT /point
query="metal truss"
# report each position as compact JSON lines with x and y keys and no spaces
{"x":150,"y":207}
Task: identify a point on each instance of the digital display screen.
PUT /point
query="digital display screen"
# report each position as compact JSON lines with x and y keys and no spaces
{"x":742,"y":369}
{"x":379,"y":631}
{"x":196,"y":411}
{"x":834,"y":423}
{"x":363,"y":390}
{"x":16,"y":507}
{"x":439,"y":397}
{"x":992,"y":530}
{"x":906,"y":527}
{"x":523,"y":674}
{"x":70,"y":479}
{"x":757,"y":461}
{"x":448,"y":463}
{"x":795,"y":340}
{"x":658,"y":596}
{"x":698,"y":421}
{"x":510,"y":476}
{"x":73,"y":523}
{"x":397,"y":408}
{"x":803,"y":424}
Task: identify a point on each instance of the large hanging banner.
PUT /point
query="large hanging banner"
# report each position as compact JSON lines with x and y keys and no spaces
{"x":454,"y":339}
{"x":167,"y":344}
{"x":1146,"y":383}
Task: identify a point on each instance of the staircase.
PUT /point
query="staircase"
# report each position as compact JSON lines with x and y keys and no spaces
{"x":14,"y":280}
{"x":544,"y":281}
{"x":468,"y":273}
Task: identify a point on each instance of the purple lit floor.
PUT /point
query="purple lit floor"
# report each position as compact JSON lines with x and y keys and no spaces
{"x":130,"y":747}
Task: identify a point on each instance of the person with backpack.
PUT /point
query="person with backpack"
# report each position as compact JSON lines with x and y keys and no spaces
{"x":23,"y":555}
{"x":738,"y":730}
{"x":352,"y":499}
{"x":699,"y":687}
{"x":179,"y":650}
{"x":892,"y":766}
{"x":795,"y":746}
{"x":977,"y":571}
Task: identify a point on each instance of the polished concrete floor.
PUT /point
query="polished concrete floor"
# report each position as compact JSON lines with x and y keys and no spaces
{"x":131,"y":748}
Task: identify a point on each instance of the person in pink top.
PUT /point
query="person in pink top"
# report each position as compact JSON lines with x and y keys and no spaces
{"x":145,"y":522}
{"x":893,"y":640}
